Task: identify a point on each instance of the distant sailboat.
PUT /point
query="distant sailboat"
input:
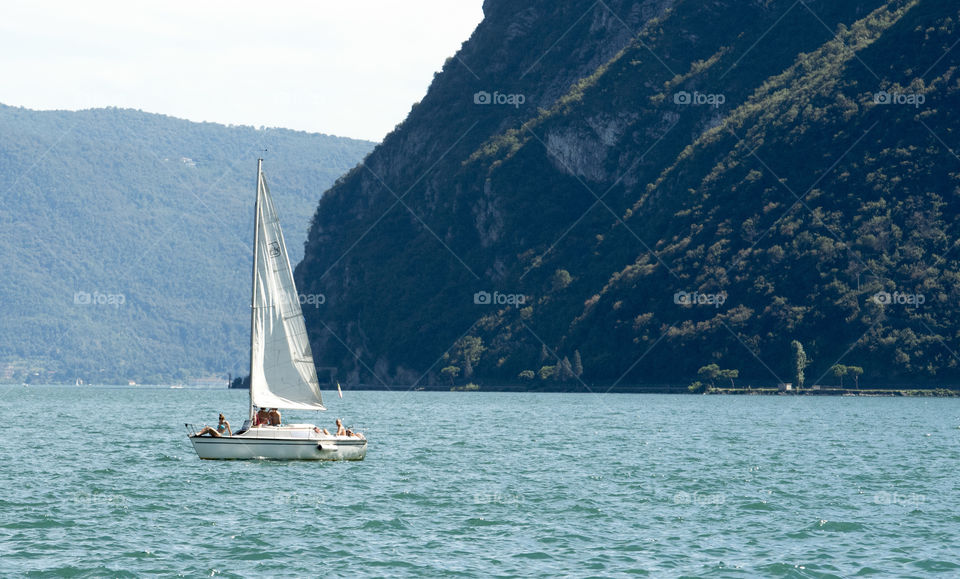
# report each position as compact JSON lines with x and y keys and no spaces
{"x":79,"y":382}
{"x":282,"y":372}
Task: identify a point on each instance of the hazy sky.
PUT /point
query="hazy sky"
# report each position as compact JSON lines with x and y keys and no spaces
{"x":346,"y":68}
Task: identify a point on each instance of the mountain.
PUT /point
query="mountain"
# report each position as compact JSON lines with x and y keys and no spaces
{"x":126,"y":239}
{"x":602,"y":194}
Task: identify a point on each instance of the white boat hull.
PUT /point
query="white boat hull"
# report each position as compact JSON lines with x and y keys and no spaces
{"x":297,"y":442}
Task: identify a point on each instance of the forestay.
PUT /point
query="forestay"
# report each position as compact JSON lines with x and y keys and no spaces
{"x":282,"y":373}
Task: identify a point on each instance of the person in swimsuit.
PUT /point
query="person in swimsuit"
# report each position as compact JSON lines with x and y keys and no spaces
{"x":222,"y":427}
{"x":274,"y":417}
{"x":341,"y":431}
{"x":357,"y":434}
{"x":261,"y":418}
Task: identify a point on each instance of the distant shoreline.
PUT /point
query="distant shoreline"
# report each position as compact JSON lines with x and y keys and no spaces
{"x":893,"y":391}
{"x":872,"y":392}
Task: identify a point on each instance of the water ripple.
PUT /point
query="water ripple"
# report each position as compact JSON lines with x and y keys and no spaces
{"x":478,"y":485}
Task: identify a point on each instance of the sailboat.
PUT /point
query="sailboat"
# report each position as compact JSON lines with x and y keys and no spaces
{"x":282,"y":372}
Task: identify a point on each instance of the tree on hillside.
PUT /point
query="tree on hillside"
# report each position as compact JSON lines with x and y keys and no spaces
{"x":548,"y":372}
{"x":463,"y":356}
{"x":451,"y":372}
{"x":565,"y":370}
{"x":577,"y":364}
{"x":729,"y":375}
{"x":469,"y":349}
{"x":856,"y":372}
{"x":800,"y":362}
{"x":709,"y":373}
{"x":839,"y":370}
{"x":561,"y":279}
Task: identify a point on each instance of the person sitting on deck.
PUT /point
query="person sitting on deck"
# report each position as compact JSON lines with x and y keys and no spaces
{"x":273,"y":417}
{"x":341,"y":431}
{"x":261,"y":418}
{"x":219,"y":430}
{"x":357,"y":434}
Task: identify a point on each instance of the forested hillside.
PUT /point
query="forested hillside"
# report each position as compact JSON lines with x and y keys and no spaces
{"x":620,"y":193}
{"x":126,"y":239}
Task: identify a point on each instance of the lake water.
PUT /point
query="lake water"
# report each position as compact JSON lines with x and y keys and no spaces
{"x":103,"y":482}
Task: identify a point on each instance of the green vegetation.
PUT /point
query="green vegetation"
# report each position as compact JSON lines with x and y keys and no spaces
{"x":471,"y":387}
{"x":800,"y":363}
{"x":697,"y":387}
{"x":839,"y":370}
{"x":709,"y":375}
{"x":803,"y":224}
{"x":126,"y":240}
{"x":451,"y":372}
{"x":856,"y":372}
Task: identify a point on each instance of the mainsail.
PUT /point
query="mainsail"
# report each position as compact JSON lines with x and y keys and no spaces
{"x":282,"y":374}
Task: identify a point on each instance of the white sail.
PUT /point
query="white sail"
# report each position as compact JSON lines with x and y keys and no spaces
{"x":282,"y":374}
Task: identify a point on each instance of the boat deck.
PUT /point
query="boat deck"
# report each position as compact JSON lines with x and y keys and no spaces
{"x":290,"y":442}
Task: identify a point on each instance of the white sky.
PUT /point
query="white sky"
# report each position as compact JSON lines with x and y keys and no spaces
{"x":349,"y":68}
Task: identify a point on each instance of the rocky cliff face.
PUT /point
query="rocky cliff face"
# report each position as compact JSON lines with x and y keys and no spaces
{"x":528,"y":54}
{"x":588,"y":180}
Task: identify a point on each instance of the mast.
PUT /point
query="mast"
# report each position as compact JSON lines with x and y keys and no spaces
{"x":253,"y":293}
